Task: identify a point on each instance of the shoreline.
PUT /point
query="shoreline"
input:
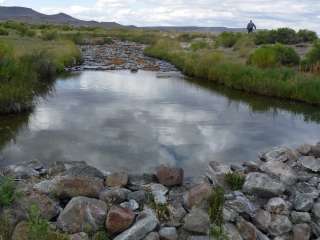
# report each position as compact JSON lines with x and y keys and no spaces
{"x":276,"y":197}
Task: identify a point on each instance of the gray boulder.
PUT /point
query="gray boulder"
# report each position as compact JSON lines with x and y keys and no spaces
{"x":197,"y":221}
{"x":216,"y":172}
{"x":310,"y":163}
{"x":300,"y":217}
{"x":303,"y":202}
{"x":301,"y":232}
{"x":84,"y":170}
{"x":277,"y":206}
{"x":280,"y":225}
{"x":168,"y":233}
{"x":83,"y":215}
{"x":262,"y":219}
{"x":145,"y":224}
{"x":263,"y":185}
{"x":241,"y":204}
{"x":282,"y":154}
{"x":114,"y":195}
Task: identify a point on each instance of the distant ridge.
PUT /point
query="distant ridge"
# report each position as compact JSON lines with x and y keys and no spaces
{"x":29,"y":15}
{"x":195,"y":29}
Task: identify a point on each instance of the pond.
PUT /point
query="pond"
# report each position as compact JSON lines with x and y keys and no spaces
{"x":117,"y":120}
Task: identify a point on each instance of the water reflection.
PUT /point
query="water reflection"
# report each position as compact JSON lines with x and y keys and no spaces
{"x":119,"y":120}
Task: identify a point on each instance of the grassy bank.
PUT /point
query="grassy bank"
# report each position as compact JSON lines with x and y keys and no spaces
{"x":215,"y":65}
{"x":28,"y":66}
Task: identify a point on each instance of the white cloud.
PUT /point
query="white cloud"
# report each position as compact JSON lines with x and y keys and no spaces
{"x":231,"y":13}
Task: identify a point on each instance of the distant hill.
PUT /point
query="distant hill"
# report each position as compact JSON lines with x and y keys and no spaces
{"x":196,"y":29}
{"x":29,"y":15}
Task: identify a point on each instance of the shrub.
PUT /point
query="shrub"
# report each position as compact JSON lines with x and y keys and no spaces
{"x":49,"y":35}
{"x":228,"y":39}
{"x":8,"y":192}
{"x":245,"y":45}
{"x":199,"y":44}
{"x":3,"y":32}
{"x":312,"y":59}
{"x":274,"y":55}
{"x":286,"y":36}
{"x":234,"y":180}
{"x":307,"y":36}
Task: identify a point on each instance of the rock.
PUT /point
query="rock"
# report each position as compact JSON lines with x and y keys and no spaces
{"x":83,"y":215}
{"x":280,"y":170}
{"x":216,"y":172}
{"x":118,"y":179}
{"x":136,"y":182}
{"x":247,"y":230}
{"x":197,"y":221}
{"x":20,"y":172}
{"x":21,"y":231}
{"x":277,"y":206}
{"x":262,"y":185}
{"x":301,"y":232}
{"x":229,"y":215}
{"x":280,"y":225}
{"x":168,"y":233}
{"x":152,"y":236}
{"x":170,"y":176}
{"x":315,"y":228}
{"x":241,"y":204}
{"x":145,"y":224}
{"x":70,"y":186}
{"x":132,"y":204}
{"x":262,"y":219}
{"x":300,"y":217}
{"x":315,"y":151}
{"x":119,"y":219}
{"x":310,"y":163}
{"x":177,"y":213}
{"x":304,"y":149}
{"x":84,"y":170}
{"x":282,"y":154}
{"x":261,"y":236}
{"x":114,"y":195}
{"x":302,"y":202}
{"x":199,"y":238}
{"x":56,"y":168}
{"x":197,"y":194}
{"x":316,"y":210}
{"x":307,"y":189}
{"x":46,"y":187}
{"x":159,"y":192}
{"x":79,"y":236}
{"x":232,"y":232}
{"x":47,"y":207}
{"x":138,"y":196}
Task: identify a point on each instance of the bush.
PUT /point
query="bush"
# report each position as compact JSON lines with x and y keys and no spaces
{"x":49,"y":35}
{"x":7,"y":191}
{"x":273,"y":56}
{"x":199,"y":44}
{"x":245,"y":45}
{"x":234,"y":180}
{"x":284,"y":36}
{"x":312,"y":59}
{"x":3,"y":32}
{"x":307,"y":36}
{"x":228,"y":39}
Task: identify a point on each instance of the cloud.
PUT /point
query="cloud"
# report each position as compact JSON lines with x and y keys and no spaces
{"x":230,"y":13}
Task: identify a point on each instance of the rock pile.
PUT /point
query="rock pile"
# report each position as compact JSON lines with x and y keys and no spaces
{"x":120,"y":55}
{"x":279,"y":199}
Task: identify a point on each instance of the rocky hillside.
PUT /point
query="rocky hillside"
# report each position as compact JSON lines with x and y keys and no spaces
{"x":30,"y":16}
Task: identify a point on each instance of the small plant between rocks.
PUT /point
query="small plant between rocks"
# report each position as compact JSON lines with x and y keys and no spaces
{"x":8,"y":191}
{"x":161,"y":210}
{"x":234,"y":180}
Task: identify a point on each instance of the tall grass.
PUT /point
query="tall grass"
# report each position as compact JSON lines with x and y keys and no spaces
{"x":279,"y":82}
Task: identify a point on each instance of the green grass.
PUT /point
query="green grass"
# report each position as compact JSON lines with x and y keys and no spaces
{"x":210,"y":65}
{"x":8,"y":193}
{"x":234,"y":180}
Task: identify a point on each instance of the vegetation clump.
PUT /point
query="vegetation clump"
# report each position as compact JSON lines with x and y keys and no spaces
{"x":227,"y":39}
{"x":8,"y":192}
{"x":234,"y":180}
{"x":274,"y":56}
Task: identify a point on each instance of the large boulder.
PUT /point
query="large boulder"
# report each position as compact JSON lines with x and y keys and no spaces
{"x":262,"y":219}
{"x":170,"y":176}
{"x":114,"y":195}
{"x":71,"y":186}
{"x":48,"y":208}
{"x":282,"y":154}
{"x":262,"y":185}
{"x":83,"y":170}
{"x":277,"y":206}
{"x":247,"y":230}
{"x":197,"y":221}
{"x":83,"y":214}
{"x":197,"y":194}
{"x":168,"y":233}
{"x":232,"y":232}
{"x":280,"y":225}
{"x":241,"y":204}
{"x":146,"y":223}
{"x":310,"y":163}
{"x":216,"y":172}
{"x":300,"y":217}
{"x":117,"y":179}
{"x":301,"y":232}
{"x":119,"y":219}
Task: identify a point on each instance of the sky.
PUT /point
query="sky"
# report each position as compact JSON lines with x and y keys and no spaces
{"x":230,"y":13}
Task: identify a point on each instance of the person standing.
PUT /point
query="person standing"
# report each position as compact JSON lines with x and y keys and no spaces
{"x":251,"y":26}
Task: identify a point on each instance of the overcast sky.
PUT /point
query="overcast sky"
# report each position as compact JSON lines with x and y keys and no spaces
{"x":230,"y":13}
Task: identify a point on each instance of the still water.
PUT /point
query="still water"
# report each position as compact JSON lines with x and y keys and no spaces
{"x":119,"y":120}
